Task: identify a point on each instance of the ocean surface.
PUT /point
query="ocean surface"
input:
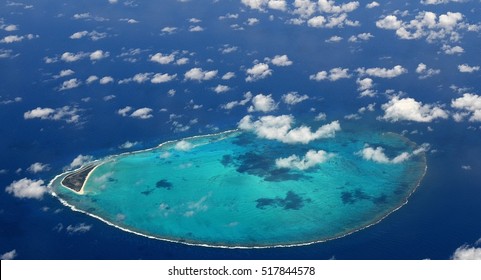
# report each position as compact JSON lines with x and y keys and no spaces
{"x":440,"y":216}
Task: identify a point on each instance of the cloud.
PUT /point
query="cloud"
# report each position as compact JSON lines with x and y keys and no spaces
{"x":10,"y":27}
{"x":94,"y":35}
{"x":317,"y":21}
{"x":196,"y":28}
{"x":263,"y":103}
{"x":9,"y":255}
{"x":428,"y":25}
{"x":293,"y":98}
{"x":142,"y":113}
{"x":70,"y":84}
{"x":64,"y":73}
{"x":277,"y":5}
{"x":334,"y":39}
{"x":80,"y":160}
{"x":141,"y":77}
{"x":377,"y":155}
{"x":437,"y":2}
{"x":425,"y":72}
{"x":281,"y":60}
{"x":389,"y":22}
{"x":320,"y":117}
{"x":361,"y":36}
{"x":162,"y":59}
{"x":408,"y":109}
{"x":372,"y":5}
{"x":228,"y":76}
{"x":169,"y":30}
{"x":311,"y":159}
{"x":128,"y":145}
{"x":466,"y":252}
{"x":364,"y":84}
{"x":182,"y":61}
{"x":221,"y":89}
{"x":255,"y":4}
{"x":26,"y":188}
{"x":252,"y":21}
{"x":183,"y":146}
{"x":78,"y":228}
{"x":91,"y":79}
{"x":464,"y":68}
{"x":124,"y":111}
{"x":280,"y":128}
{"x":162,"y":78}
{"x":7,"y":53}
{"x":257,"y":72}
{"x":65,"y":113}
{"x":38,"y":167}
{"x":383,"y":72}
{"x":328,"y":6}
{"x":197,"y":74}
{"x":98,"y":55}
{"x":232,"y":104}
{"x":333,"y":75}
{"x":105,"y":80}
{"x":12,"y":39}
{"x":471,"y":104}
{"x":228,"y":49}
{"x":304,"y":8}
{"x":452,"y":50}
{"x":72,"y":57}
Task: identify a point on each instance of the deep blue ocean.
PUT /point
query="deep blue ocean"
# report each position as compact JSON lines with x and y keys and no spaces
{"x":442,"y":215}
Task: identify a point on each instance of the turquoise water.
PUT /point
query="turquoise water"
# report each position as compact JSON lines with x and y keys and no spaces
{"x":226,"y":190}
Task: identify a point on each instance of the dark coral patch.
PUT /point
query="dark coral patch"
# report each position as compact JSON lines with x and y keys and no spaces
{"x":226,"y":160}
{"x":164,"y":184}
{"x":292,"y":201}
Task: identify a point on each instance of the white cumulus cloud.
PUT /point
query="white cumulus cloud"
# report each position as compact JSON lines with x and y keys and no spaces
{"x":162,"y":78}
{"x":311,"y":159}
{"x":142,"y":113}
{"x":383,"y":72}
{"x":408,"y":109}
{"x":70,"y":84}
{"x":333,"y":75}
{"x":98,"y":55}
{"x":280,"y":128}
{"x":281,"y":60}
{"x":197,"y":74}
{"x":65,"y":113}
{"x":221,"y":88}
{"x":377,"y":155}
{"x":258,"y":71}
{"x":183,"y":146}
{"x":263,"y":103}
{"x":425,"y":72}
{"x":26,"y":188}
{"x":470,"y":104}
{"x":10,"y":255}
{"x":38,"y":167}
{"x":162,"y":59}
{"x":79,"y":228}
{"x":293,"y":98}
{"x":80,"y":160}
{"x":465,"y":68}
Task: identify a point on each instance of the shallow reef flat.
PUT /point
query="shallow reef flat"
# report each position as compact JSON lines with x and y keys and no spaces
{"x":234,"y":189}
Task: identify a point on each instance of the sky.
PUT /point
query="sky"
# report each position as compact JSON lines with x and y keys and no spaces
{"x":80,"y":80}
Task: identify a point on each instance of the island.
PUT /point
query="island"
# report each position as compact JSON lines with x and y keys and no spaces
{"x":76,"y":180}
{"x":237,"y":190}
